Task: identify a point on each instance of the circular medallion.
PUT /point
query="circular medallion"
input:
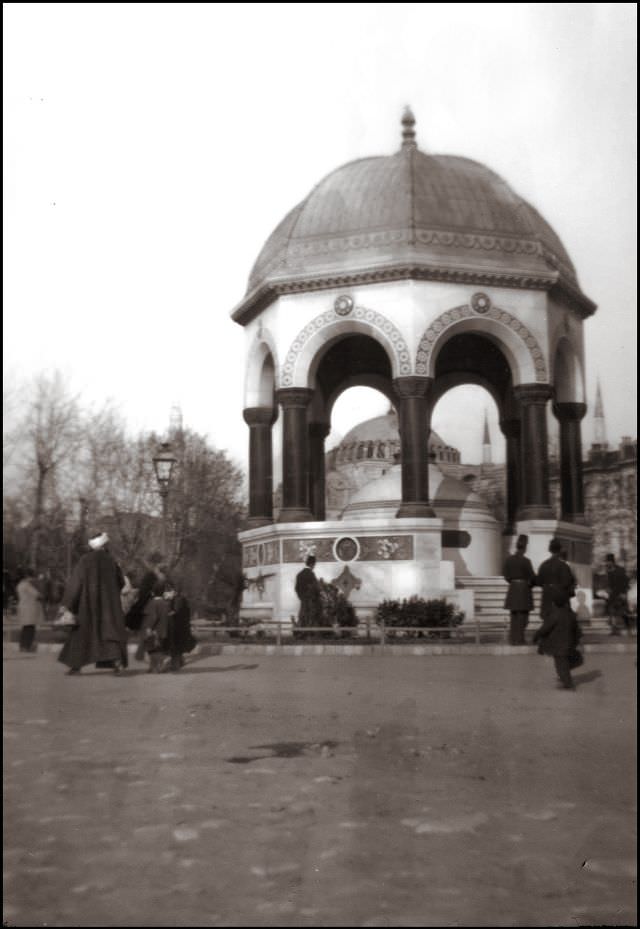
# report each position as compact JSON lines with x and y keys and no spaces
{"x":480,"y":303}
{"x":346,"y":549}
{"x":343,"y":305}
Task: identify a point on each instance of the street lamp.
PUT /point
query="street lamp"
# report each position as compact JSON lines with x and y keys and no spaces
{"x":163,"y":464}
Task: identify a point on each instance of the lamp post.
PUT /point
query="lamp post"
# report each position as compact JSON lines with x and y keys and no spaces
{"x":163,"y":464}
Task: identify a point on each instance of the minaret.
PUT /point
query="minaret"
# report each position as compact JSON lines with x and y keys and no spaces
{"x":599,"y":431}
{"x":486,"y":442}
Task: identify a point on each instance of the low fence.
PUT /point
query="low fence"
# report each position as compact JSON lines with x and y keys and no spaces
{"x":366,"y":633}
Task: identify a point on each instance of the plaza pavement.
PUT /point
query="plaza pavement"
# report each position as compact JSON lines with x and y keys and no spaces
{"x":373,"y":790}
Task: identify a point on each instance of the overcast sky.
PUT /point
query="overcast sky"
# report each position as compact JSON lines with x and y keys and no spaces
{"x":150,"y":149}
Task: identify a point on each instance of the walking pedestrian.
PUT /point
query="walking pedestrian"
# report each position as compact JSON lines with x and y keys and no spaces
{"x":30,"y":610}
{"x":308,"y":591}
{"x":559,"y":636}
{"x":559,"y":633}
{"x":154,"y":631}
{"x":519,"y":574}
{"x":617,"y":589}
{"x":93,"y":596}
{"x":180,"y":637}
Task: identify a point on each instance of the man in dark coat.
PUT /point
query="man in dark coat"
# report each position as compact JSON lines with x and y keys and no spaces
{"x":519,"y":574}
{"x":308,"y":590}
{"x":617,"y":589}
{"x":559,"y":633}
{"x":552,"y":573}
{"x":559,"y":636}
{"x":93,"y":596}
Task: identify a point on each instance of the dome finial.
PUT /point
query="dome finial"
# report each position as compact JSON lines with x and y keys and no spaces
{"x":408,"y":132}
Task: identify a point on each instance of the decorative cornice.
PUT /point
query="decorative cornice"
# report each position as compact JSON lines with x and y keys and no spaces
{"x":266,"y":293}
{"x":376,"y":320}
{"x":450,"y":317}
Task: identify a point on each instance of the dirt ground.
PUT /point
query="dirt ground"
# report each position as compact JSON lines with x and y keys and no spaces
{"x":321,"y":791}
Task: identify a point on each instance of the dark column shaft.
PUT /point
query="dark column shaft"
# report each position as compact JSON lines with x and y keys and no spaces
{"x":571,"y":488}
{"x":317,"y":434}
{"x":414,"y":442}
{"x":534,"y":453}
{"x":295,"y":454}
{"x":260,"y":420}
{"x":511,"y":431}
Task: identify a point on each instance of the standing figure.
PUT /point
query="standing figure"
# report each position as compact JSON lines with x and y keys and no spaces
{"x":93,"y":596}
{"x":180,"y":638}
{"x":559,"y":633}
{"x":308,"y":591}
{"x":519,"y":574}
{"x":617,"y":589}
{"x":30,"y":610}
{"x":154,"y":632}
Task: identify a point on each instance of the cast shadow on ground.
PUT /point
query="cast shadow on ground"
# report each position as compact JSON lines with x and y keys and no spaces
{"x":188,"y":669}
{"x":586,"y":677}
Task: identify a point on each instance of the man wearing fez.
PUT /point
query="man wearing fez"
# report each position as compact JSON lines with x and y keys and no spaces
{"x":519,"y":574}
{"x":308,"y":591}
{"x":93,"y":597}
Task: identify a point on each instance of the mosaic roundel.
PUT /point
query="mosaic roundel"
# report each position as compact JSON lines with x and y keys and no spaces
{"x":346,"y":549}
{"x":481,"y":303}
{"x":343,"y":305}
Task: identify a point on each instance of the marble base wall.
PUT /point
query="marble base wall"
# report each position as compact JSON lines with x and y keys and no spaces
{"x":370,"y":559}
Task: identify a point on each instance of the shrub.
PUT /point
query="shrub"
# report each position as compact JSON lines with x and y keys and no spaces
{"x":336,"y":609}
{"x":416,"y":613}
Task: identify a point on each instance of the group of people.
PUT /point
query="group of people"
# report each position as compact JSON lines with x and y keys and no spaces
{"x":560,"y":633}
{"x":102,"y":607}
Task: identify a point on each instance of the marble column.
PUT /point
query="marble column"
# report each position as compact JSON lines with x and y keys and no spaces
{"x":534,"y":452}
{"x":511,"y":431}
{"x":260,"y":419}
{"x":414,"y":423}
{"x":318,"y":432}
{"x":571,"y":489}
{"x":295,"y":454}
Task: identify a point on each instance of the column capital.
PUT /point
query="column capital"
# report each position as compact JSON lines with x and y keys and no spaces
{"x":260,"y":415}
{"x":319,"y":430}
{"x":294,"y":396}
{"x":407,"y":387}
{"x":510,"y":427}
{"x":569,"y":412}
{"x":533,"y":393}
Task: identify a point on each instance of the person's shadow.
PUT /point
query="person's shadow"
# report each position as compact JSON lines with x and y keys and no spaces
{"x":586,"y":677}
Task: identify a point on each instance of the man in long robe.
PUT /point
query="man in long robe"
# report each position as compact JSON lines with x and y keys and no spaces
{"x":93,"y":596}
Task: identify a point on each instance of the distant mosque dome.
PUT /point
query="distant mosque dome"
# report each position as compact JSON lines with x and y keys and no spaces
{"x":378,"y":439}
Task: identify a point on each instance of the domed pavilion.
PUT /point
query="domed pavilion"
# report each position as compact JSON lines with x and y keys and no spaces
{"x":410,"y":273}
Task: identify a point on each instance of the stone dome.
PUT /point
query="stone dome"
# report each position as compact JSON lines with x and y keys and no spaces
{"x":410,"y":214}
